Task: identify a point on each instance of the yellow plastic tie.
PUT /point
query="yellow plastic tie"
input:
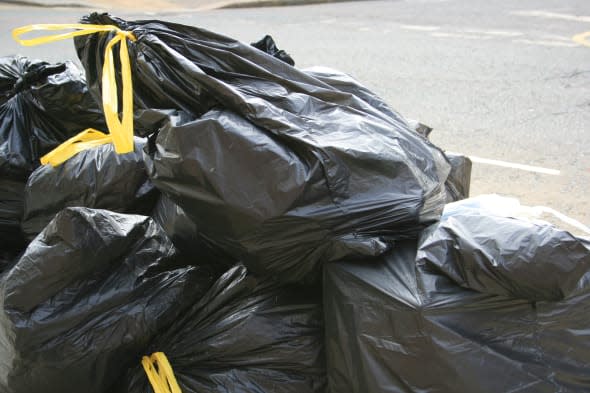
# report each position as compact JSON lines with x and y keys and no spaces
{"x":85,"y":140}
{"x":160,"y":374}
{"x":120,"y":130}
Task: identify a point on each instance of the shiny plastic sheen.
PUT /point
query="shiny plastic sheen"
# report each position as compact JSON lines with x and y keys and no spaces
{"x":247,"y":334}
{"x":97,"y":178}
{"x":287,"y":171}
{"x":41,"y":105}
{"x":484,"y":304}
{"x":86,"y":298}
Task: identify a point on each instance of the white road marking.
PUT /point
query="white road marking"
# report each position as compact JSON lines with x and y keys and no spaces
{"x":568,"y":220}
{"x":506,"y":164}
{"x":553,"y":37}
{"x":459,"y":35}
{"x":420,"y":28}
{"x":552,"y":15}
{"x":545,"y":43}
{"x":478,"y":34}
{"x":499,"y":33}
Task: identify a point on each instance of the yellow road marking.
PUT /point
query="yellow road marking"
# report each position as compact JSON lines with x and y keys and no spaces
{"x":582,"y":38}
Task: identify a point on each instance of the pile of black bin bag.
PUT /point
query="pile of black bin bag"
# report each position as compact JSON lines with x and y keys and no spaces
{"x":274,"y":230}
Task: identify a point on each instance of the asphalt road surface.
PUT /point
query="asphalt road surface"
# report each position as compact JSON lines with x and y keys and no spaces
{"x":501,"y":80}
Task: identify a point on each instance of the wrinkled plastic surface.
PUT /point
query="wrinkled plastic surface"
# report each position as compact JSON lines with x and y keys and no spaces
{"x":505,"y":310}
{"x":86,"y":298}
{"x":459,"y":181}
{"x":48,"y":103}
{"x":187,"y":238}
{"x":268,"y":45}
{"x":11,"y":210}
{"x":289,"y":171}
{"x":506,"y":256}
{"x":41,"y":105}
{"x":7,"y":259}
{"x":96,"y":178}
{"x":420,"y":128}
{"x":345,"y":83}
{"x":245,"y":335}
{"x":287,"y":217}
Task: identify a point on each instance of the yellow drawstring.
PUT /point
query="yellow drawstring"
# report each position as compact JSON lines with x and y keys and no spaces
{"x":84,"y":140}
{"x":161,"y":378}
{"x":120,"y":131}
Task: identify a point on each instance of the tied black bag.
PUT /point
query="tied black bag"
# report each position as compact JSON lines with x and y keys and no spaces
{"x":98,"y":178}
{"x":41,"y":105}
{"x":247,"y":334}
{"x":277,"y":167}
{"x":86,"y":298}
{"x":482,"y":303}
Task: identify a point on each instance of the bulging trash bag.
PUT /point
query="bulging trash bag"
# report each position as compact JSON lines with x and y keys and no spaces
{"x":187,"y":238}
{"x":41,"y":105}
{"x":96,"y":178}
{"x":483,"y":303}
{"x":287,"y":171}
{"x":279,"y":207}
{"x":246,"y":334}
{"x":224,"y":72}
{"x":86,"y":298}
{"x":47,"y":104}
{"x":459,"y":180}
{"x":506,"y":256}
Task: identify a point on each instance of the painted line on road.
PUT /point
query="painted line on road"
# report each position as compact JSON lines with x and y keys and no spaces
{"x":582,"y":38}
{"x":420,"y":27}
{"x":513,"y":165}
{"x":499,"y":33}
{"x":553,"y":37}
{"x":552,"y":15}
{"x":545,"y":43}
{"x":459,"y":35}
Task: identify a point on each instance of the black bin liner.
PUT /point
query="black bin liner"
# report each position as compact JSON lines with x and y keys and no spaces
{"x":269,"y":46}
{"x":11,"y":210}
{"x":286,"y":171}
{"x":487,"y":304}
{"x":187,"y":238}
{"x":459,"y":181}
{"x":246,"y":335}
{"x":286,"y":217}
{"x":85,"y":300}
{"x":41,"y":105}
{"x":346,"y":83}
{"x":96,"y":178}
{"x":7,"y":259}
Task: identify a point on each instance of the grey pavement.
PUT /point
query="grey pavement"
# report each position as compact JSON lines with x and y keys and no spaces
{"x":500,"y":80}
{"x":162,"y":5}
